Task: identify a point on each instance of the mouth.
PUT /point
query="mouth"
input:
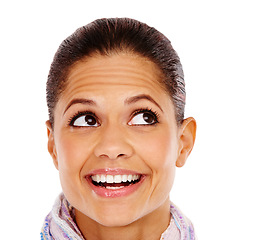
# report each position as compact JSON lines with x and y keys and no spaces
{"x":114,"y":183}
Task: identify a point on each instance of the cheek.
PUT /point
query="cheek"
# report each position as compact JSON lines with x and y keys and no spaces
{"x":159,"y":151}
{"x":159,"y":154}
{"x":70,"y":153}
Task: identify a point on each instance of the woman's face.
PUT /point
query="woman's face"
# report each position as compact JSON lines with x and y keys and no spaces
{"x":115,"y":140}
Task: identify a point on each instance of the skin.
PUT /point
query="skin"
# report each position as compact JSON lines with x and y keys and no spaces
{"x":118,"y":142}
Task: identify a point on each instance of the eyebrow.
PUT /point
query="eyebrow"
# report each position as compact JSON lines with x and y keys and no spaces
{"x":82,"y":101}
{"x":128,"y":101}
{"x":137,"y":98}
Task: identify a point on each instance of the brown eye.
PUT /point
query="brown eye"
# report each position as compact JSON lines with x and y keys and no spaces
{"x":84,"y":120}
{"x":144,"y":118}
{"x":90,"y":120}
{"x":149,"y":118}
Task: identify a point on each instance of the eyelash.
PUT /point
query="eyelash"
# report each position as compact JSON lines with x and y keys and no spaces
{"x":147,"y":110}
{"x":80,"y":114}
{"x":138,"y":111}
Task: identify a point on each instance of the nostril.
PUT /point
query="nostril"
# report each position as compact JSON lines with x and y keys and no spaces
{"x":121,"y":155}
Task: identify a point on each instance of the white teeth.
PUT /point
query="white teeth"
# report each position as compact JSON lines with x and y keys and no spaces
{"x":103,"y":178}
{"x":117,"y":179}
{"x":108,"y":187}
{"x":114,"y":178}
{"x":129,"y":178}
{"x":109,"y":179}
{"x":124,"y":178}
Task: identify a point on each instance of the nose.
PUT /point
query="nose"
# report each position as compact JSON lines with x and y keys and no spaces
{"x":113,"y":143}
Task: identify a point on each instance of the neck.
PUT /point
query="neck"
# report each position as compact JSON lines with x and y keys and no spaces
{"x":150,"y":226}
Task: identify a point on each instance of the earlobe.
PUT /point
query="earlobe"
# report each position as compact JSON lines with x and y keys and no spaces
{"x":187,"y":137}
{"x":51,"y":143}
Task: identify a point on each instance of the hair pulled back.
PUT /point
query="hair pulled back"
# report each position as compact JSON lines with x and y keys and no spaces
{"x":116,"y":35}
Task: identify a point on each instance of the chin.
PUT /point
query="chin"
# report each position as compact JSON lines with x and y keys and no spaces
{"x":117,"y":215}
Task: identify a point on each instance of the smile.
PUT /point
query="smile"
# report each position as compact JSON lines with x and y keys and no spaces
{"x":114,"y":183}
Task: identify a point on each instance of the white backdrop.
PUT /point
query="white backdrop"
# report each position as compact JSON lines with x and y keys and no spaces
{"x":219,"y":43}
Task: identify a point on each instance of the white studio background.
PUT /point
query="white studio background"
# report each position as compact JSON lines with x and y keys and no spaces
{"x":219,"y":43}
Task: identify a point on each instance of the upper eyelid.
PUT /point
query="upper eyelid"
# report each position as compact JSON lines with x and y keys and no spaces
{"x":141,"y":97}
{"x":144,"y":110}
{"x":82,"y":101}
{"x":81,"y":114}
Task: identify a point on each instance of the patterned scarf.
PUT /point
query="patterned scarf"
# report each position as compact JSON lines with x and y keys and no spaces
{"x":59,"y":224}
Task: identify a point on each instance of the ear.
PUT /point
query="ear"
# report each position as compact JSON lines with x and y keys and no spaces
{"x":51,"y":143}
{"x":187,"y":135}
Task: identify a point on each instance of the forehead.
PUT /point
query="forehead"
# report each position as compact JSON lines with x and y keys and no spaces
{"x":110,"y":81}
{"x":114,"y":70}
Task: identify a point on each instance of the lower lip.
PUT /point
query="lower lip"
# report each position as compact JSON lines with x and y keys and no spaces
{"x":112,"y":193}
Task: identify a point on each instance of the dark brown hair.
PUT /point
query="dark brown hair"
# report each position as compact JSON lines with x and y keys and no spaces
{"x":116,"y":35}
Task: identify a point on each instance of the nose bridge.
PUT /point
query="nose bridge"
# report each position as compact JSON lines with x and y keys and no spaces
{"x":113,"y":142}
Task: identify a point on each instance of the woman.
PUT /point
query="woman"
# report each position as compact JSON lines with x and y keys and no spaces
{"x":116,"y":132}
